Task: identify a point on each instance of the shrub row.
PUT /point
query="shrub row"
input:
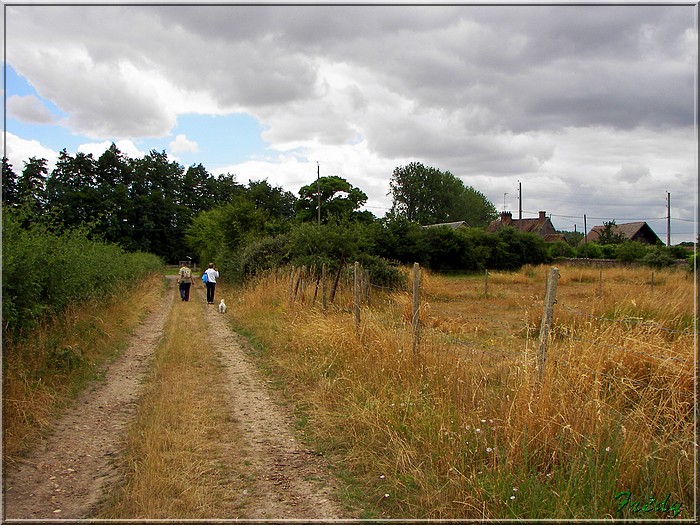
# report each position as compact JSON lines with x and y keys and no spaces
{"x":44,"y":270}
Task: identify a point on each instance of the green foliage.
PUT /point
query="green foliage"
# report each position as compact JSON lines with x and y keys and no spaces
{"x":339,"y":200}
{"x":609,"y":251}
{"x":658,"y":258}
{"x":429,"y":196}
{"x":561,"y":249}
{"x":610,"y":234}
{"x":589,"y":250}
{"x":44,"y":270}
{"x":521,"y":249}
{"x":631,"y":251}
{"x":264,"y":254}
{"x":10,"y":192}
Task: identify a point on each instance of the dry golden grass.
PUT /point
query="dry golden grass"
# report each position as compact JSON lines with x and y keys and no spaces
{"x":466,"y":431}
{"x":45,"y":370}
{"x":176,"y":464}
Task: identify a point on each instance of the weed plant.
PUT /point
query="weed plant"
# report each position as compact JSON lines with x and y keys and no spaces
{"x":464,"y":429}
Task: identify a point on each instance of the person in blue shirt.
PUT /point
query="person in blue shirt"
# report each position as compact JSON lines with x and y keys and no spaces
{"x":212,"y":276}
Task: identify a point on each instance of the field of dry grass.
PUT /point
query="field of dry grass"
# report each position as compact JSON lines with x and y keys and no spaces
{"x":466,"y":430}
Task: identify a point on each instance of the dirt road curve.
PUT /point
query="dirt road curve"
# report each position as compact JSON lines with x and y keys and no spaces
{"x":67,"y":475}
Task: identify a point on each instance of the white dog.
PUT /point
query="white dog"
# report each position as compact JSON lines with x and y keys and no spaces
{"x":222,"y":307}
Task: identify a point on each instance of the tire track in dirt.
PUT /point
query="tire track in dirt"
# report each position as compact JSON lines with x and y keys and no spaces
{"x":67,"y":474}
{"x":290,"y":480}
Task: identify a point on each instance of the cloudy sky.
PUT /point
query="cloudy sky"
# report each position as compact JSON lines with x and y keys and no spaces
{"x":590,"y":108}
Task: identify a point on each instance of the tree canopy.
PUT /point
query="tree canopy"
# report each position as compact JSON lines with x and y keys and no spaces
{"x":429,"y":196}
{"x":339,"y":199}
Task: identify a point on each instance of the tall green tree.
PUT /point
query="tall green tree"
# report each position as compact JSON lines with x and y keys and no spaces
{"x":10,"y":192}
{"x":274,"y":200}
{"x":113,"y":179}
{"x":71,"y":191}
{"x":31,"y":186}
{"x":428,"y":196}
{"x":339,"y":199}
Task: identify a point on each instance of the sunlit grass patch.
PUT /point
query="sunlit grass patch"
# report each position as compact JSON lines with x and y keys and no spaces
{"x":450,"y":432}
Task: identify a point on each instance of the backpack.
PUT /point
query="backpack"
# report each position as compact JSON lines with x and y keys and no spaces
{"x":205,"y":277}
{"x":186,"y":272}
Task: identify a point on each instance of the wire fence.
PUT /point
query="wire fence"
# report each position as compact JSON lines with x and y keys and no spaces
{"x":362,"y":292}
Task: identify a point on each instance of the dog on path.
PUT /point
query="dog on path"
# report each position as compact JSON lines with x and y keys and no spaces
{"x":222,"y":307}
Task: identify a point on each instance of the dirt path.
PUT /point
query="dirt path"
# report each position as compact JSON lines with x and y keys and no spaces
{"x":67,"y":475}
{"x":290,"y":480}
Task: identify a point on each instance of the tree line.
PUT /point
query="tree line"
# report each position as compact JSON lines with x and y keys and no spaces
{"x":155,"y":205}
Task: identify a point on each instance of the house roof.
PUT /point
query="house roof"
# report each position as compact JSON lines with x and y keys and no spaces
{"x":453,"y":225}
{"x":629,"y":230}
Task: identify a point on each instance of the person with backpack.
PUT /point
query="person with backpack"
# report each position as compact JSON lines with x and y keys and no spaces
{"x":211,"y":275}
{"x":185,"y":280}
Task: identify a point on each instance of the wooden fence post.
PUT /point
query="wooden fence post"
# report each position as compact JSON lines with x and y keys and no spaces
{"x":416,"y":309}
{"x":356,"y":274}
{"x":549,"y":301}
{"x":324,"y":297}
{"x":318,"y":280}
{"x":486,"y":284}
{"x":600,"y":284}
{"x":652,"y":281}
{"x":291,"y":285}
{"x":337,"y":277}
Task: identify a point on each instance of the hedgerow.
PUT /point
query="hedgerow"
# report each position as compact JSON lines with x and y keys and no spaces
{"x":44,"y":270}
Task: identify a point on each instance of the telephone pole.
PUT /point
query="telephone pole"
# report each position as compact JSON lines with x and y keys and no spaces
{"x":318,"y":190}
{"x":668,"y":218}
{"x":520,"y":205}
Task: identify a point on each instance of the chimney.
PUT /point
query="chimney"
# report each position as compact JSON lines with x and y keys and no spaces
{"x":543,"y":216}
{"x":506,"y":217}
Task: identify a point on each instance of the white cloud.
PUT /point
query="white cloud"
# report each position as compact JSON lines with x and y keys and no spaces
{"x":29,"y":109}
{"x":183,"y":144}
{"x":127,"y":147}
{"x":592,"y":107}
{"x":20,"y":150}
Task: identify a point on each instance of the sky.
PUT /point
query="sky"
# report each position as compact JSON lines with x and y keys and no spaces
{"x":586,"y":109}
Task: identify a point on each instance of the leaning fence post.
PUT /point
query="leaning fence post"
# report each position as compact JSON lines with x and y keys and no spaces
{"x":356,"y":275}
{"x":652,"y":281}
{"x":416,"y":309}
{"x":324,"y":297}
{"x":486,"y":284}
{"x":549,"y":301}
{"x":291,"y":284}
{"x":600,"y":284}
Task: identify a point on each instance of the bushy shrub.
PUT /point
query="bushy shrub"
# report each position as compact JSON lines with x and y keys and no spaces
{"x":658,"y":259}
{"x":589,"y":250}
{"x":45,"y":270}
{"x":561,"y":249}
{"x":609,"y":251}
{"x":631,"y":251}
{"x":264,"y":254}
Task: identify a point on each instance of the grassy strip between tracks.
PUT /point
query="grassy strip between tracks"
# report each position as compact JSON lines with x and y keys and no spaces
{"x":177,"y":462}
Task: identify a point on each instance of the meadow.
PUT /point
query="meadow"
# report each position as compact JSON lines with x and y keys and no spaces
{"x":464,"y":428}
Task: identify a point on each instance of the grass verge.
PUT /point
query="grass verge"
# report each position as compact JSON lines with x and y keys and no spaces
{"x":50,"y":366}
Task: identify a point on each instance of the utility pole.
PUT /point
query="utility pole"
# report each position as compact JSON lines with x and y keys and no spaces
{"x":668,"y":218}
{"x":318,"y":190}
{"x":504,"y":201}
{"x":520,"y":206}
{"x":585,"y":230}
